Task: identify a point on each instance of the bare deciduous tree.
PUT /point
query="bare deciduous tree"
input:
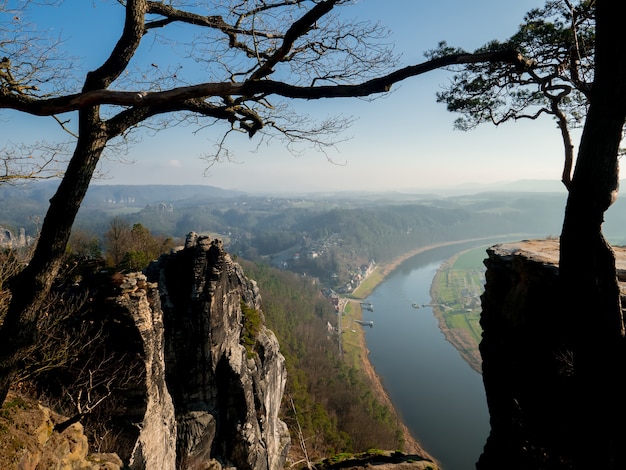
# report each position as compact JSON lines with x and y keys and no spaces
{"x":117,"y":240}
{"x":257,"y":51}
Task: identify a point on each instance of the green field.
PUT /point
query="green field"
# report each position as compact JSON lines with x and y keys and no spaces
{"x":471,"y":259}
{"x":456,"y":292}
{"x":352,"y":335}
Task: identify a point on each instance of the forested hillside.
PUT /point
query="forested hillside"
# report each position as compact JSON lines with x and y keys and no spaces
{"x":327,"y":237}
{"x":328,"y":401}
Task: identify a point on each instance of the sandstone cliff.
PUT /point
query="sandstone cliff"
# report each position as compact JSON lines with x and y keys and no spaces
{"x":9,"y":240}
{"x":226,"y":396}
{"x":213,"y":374}
{"x":155,"y":444}
{"x":535,"y":402}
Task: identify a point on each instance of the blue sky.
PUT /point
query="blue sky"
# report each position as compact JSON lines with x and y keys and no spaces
{"x":403,"y":141}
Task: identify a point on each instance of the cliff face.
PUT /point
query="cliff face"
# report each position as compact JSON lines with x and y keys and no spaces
{"x":8,"y":240}
{"x":536,"y":401}
{"x":226,"y":396}
{"x":155,"y":444}
{"x":209,"y":398}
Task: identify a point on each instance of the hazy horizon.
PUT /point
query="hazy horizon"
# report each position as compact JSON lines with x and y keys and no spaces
{"x":537,"y":185}
{"x":400,"y":141}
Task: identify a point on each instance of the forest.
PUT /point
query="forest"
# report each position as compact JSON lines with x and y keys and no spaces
{"x":326,"y":400}
{"x":327,"y":237}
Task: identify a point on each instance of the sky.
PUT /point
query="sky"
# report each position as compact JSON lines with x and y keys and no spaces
{"x":404,"y":141}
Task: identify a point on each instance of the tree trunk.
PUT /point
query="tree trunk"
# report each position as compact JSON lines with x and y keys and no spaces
{"x":30,"y":288}
{"x":592,"y":310}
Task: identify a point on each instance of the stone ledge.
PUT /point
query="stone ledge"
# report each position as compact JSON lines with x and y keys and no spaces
{"x":546,"y":251}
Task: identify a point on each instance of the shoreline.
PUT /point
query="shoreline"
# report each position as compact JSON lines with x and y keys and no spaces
{"x":412,"y":444}
{"x":384,"y":270}
{"x":456,"y":337}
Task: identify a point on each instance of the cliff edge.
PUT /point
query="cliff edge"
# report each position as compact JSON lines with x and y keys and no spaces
{"x":537,"y":402}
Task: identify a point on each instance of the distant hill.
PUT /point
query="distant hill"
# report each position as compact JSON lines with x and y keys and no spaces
{"x":23,"y":205}
{"x":522,"y":186}
{"x":104,"y":195}
{"x":528,"y":206}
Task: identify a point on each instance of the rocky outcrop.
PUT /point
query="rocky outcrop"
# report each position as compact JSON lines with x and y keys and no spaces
{"x":28,"y":440}
{"x":381,"y":460}
{"x":8,"y":240}
{"x":155,"y":446}
{"x":186,"y":374}
{"x":212,"y":376}
{"x":535,"y":399}
{"x":225,"y":373}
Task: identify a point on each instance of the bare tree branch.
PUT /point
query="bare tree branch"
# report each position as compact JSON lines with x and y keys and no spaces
{"x":124,"y":50}
{"x":295,"y":49}
{"x":46,"y":107}
{"x":40,"y":160}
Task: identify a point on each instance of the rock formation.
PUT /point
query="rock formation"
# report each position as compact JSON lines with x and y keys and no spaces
{"x":212,"y":377}
{"x":155,"y":445}
{"x":528,"y":366}
{"x":378,"y":459}
{"x":226,"y":396}
{"x":8,"y":240}
{"x":28,"y":442}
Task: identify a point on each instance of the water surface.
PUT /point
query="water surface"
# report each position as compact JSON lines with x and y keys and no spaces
{"x":439,"y":396}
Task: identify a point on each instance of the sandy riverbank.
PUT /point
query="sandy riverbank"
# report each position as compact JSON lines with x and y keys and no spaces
{"x":367,"y":286}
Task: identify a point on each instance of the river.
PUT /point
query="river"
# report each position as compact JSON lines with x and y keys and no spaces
{"x":439,"y":396}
